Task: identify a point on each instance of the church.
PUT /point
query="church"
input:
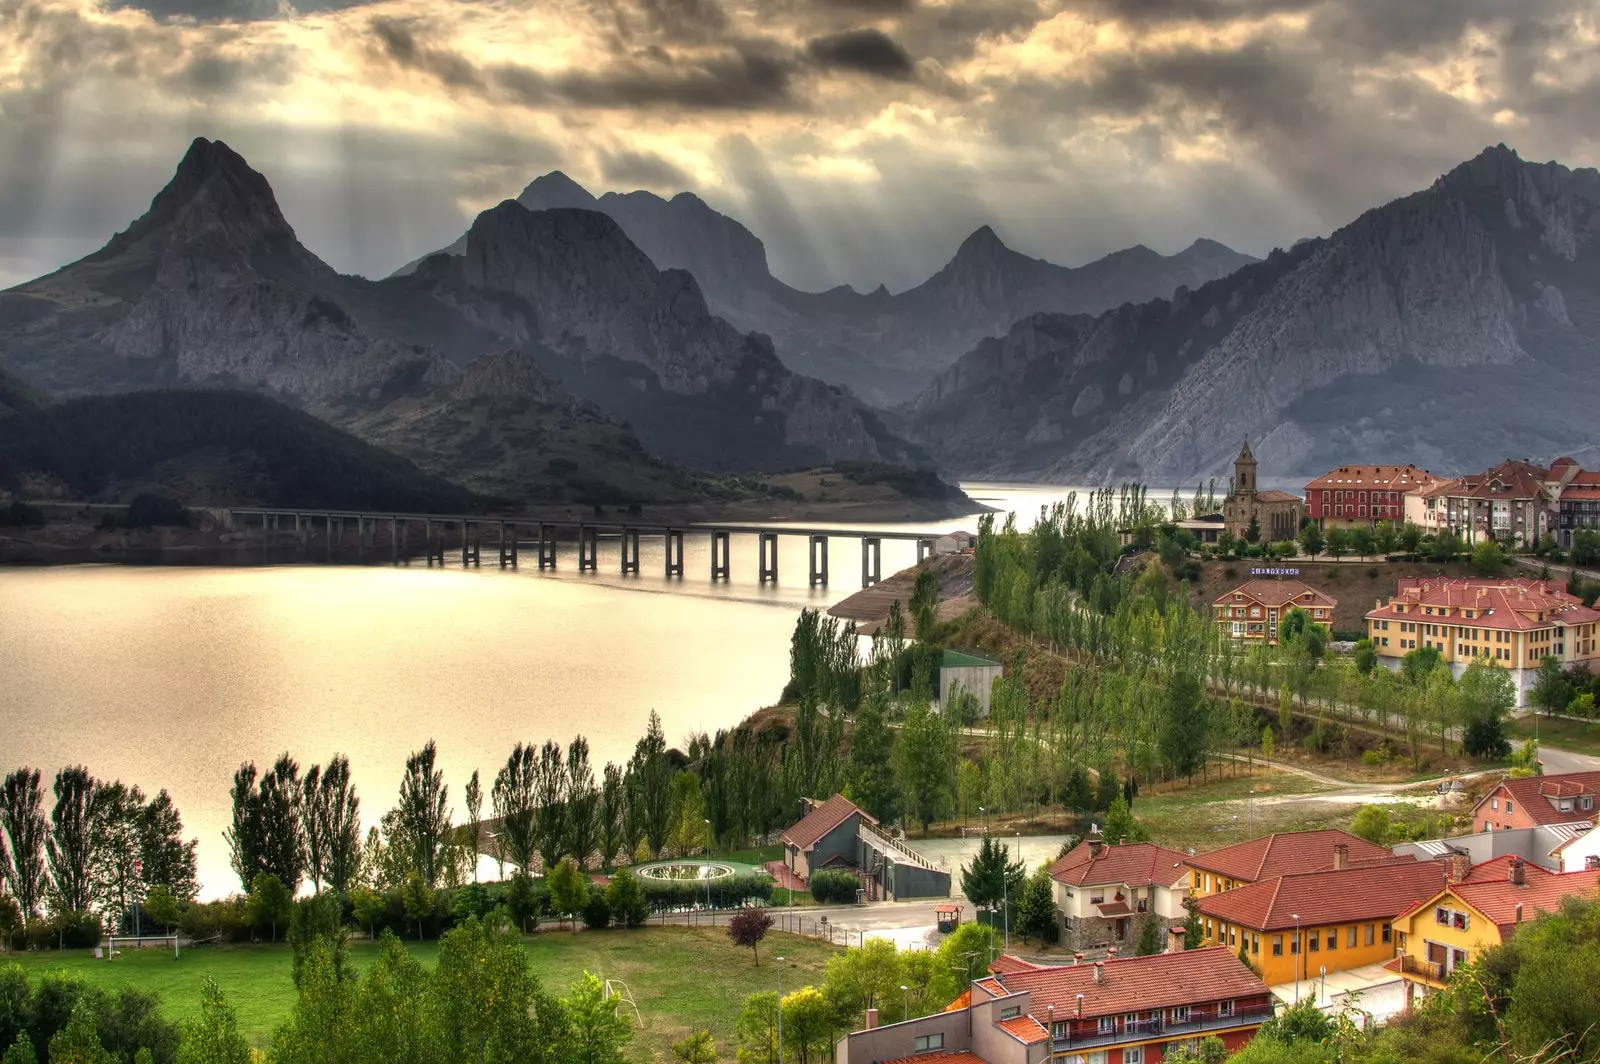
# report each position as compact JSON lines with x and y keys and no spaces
{"x":1277,"y":513}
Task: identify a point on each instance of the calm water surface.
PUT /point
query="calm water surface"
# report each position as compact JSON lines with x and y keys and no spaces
{"x":170,"y":677}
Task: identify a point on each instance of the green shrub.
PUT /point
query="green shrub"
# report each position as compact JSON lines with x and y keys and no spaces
{"x":831,"y":885}
{"x":597,"y":914}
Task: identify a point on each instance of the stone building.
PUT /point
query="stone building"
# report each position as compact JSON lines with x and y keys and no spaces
{"x":1103,"y":893}
{"x":1277,"y":513}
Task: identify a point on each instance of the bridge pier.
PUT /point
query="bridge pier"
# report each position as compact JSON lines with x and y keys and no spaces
{"x":435,"y":547}
{"x":394,"y":539}
{"x":924,"y":550}
{"x":871,"y":560}
{"x":327,"y":533}
{"x":547,"y":547}
{"x":673,"y":543}
{"x":720,"y":565}
{"x":508,"y":548}
{"x":630,"y":551}
{"x":768,"y":570}
{"x":819,"y":560}
{"x":471,"y":544}
{"x":588,"y":548}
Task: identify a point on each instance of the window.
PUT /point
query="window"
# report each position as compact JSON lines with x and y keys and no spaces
{"x":1134,"y":1055}
{"x":1224,"y":1008}
{"x":1388,"y":934}
{"x":1058,"y":1030}
{"x":1011,"y":1013}
{"x":1333,"y":938}
{"x":1441,"y":916}
{"x":925,"y":1042}
{"x":1294,"y":943}
{"x":1277,"y":945}
{"x":1370,"y":928}
{"x":1314,"y":941}
{"x":1350,"y":939}
{"x":1255,"y":944}
{"x":1107,"y":1025}
{"x":1179,"y":1015}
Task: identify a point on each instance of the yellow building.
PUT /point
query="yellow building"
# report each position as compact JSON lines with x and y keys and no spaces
{"x":1513,"y":621}
{"x":1453,"y":925}
{"x":1294,"y":925}
{"x":1279,"y":854}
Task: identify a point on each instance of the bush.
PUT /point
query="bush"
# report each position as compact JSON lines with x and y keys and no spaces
{"x":147,"y":511}
{"x":834,"y":886}
{"x":216,"y":921}
{"x":597,"y":914}
{"x":669,"y":895}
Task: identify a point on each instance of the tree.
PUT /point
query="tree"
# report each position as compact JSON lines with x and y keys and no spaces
{"x":1192,"y":926}
{"x":368,"y":907}
{"x":1121,"y":825}
{"x":474,"y":819}
{"x":1311,"y":540}
{"x":1365,"y":657}
{"x":747,"y":928}
{"x":311,"y":825}
{"x":417,"y":899}
{"x":599,"y":1028}
{"x":1487,"y":696}
{"x":583,"y":802}
{"x":870,"y":769}
{"x":992,"y":878}
{"x":523,"y":902}
{"x":1373,"y":823}
{"x":70,"y":844}
{"x":923,"y":756}
{"x":924,"y":603}
{"x":1418,"y":663}
{"x":1036,"y":911}
{"x":212,"y":1036}
{"x":1338,"y":542}
{"x":1225,"y":542}
{"x":650,"y":784}
{"x":626,"y":898}
{"x":162,"y":906}
{"x":23,"y":821}
{"x":1551,"y":691}
{"x":514,"y":805}
{"x":339,"y":810}
{"x":695,"y":1048}
{"x":116,"y":812}
{"x":1149,"y":936}
{"x":1362,"y":541}
{"x":1252,"y":534}
{"x":569,"y":890}
{"x":611,"y":813}
{"x":1385,"y":538}
{"x":1266,"y":742}
{"x":270,"y":902}
{"x":423,"y":812}
{"x":807,"y":1024}
{"x":1410,"y":538}
{"x":689,"y":821}
{"x":10,"y":924}
{"x":758,"y":1029}
{"x":166,"y":860}
{"x":21,"y":1051}
{"x":1488,"y":558}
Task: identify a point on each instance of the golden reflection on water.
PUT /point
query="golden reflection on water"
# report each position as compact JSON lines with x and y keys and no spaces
{"x":170,"y":677}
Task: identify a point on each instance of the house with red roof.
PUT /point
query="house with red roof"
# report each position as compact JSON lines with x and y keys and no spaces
{"x":1295,"y":925}
{"x":1130,"y":1010}
{"x":1362,"y":495}
{"x":1535,"y":801}
{"x":1514,"y":503}
{"x":1279,"y":854}
{"x":838,"y":834}
{"x":1104,"y":891}
{"x":1253,"y":610}
{"x":1577,"y":495}
{"x":1454,"y":924}
{"x":1513,"y":621}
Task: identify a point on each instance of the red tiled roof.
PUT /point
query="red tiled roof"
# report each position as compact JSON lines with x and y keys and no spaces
{"x":1507,"y":605}
{"x":1381,"y":477}
{"x":1165,"y":980}
{"x":1278,"y":593}
{"x":1277,"y":496}
{"x":1497,"y":900}
{"x":821,"y":820}
{"x":1006,"y":964}
{"x":1516,"y":480}
{"x":1024,"y":1029}
{"x":1533,"y":794}
{"x":1365,"y":892}
{"x":1499,"y":868}
{"x":1115,"y":908}
{"x":1296,"y":851}
{"x":962,"y":1000}
{"x":1138,"y":864}
{"x":963,"y":1057}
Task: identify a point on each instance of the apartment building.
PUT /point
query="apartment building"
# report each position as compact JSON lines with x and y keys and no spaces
{"x":1515,"y":622}
{"x":1512,"y":503}
{"x":1362,"y":495}
{"x":1131,"y":1010}
{"x":1455,"y":924}
{"x":1295,"y":925}
{"x":1279,"y":854}
{"x":1538,"y":801}
{"x":1102,"y":892}
{"x":1577,"y":496}
{"x":1253,"y":610}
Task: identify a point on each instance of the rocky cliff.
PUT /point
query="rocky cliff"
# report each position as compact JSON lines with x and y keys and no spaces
{"x":883,"y":346}
{"x":1439,"y":328}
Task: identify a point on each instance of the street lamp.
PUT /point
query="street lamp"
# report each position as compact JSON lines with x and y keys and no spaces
{"x":1300,"y":951}
{"x":985,"y":813}
{"x":1236,"y":827}
{"x":905,"y":1009}
{"x":780,"y":1010}
{"x":713,"y":908}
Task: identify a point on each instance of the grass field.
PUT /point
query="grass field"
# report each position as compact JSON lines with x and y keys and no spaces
{"x":681,"y":978}
{"x":1580,"y":737}
{"x":1203,"y":816}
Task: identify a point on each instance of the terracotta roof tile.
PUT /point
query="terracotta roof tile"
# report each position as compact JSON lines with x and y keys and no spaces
{"x":1277,"y":496}
{"x":1024,"y":1029}
{"x":1380,"y":477}
{"x":1138,"y":864}
{"x":939,"y":1058}
{"x":1166,"y":980}
{"x":1499,"y":868}
{"x":1507,"y":605}
{"x":1279,"y":854}
{"x":821,"y":820}
{"x":1278,"y":593}
{"x":1533,"y":794}
{"x":1497,"y":899}
{"x":1367,"y":892}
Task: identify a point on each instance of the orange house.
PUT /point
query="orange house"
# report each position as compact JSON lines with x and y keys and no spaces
{"x":1277,"y":855}
{"x":1252,"y":611}
{"x":1533,"y":801}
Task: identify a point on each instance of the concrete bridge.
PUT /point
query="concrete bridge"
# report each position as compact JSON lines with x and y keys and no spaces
{"x":507,"y":537}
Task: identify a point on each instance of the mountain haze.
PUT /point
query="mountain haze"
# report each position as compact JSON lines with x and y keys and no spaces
{"x":1448,"y":328}
{"x":883,"y":346}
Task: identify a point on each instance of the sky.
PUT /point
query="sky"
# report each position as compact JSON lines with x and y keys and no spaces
{"x":860,"y":139}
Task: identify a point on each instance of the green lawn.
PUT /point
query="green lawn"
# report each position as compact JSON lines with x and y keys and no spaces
{"x":1202,"y":816}
{"x":1578,"y":736}
{"x":681,"y":978}
{"x":758,"y":855}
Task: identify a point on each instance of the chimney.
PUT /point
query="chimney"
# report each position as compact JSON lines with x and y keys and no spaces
{"x":872,"y":1018}
{"x":1175,"y":939}
{"x":1458,"y":866}
{"x":1111,"y":953}
{"x":1095,"y":846}
{"x":1099,"y":972}
{"x":1050,"y":1019}
{"x":1519,"y":912}
{"x":1080,"y":1006}
{"x":1341,"y":856}
{"x":1123,"y":841}
{"x":1518,"y":874}
{"x":1077,"y":959}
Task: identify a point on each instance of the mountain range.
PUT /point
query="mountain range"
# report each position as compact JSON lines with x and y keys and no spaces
{"x":885,"y":347}
{"x":1449,"y":328}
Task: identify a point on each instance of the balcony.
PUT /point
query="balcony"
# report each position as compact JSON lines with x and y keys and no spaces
{"x":1428,"y":971}
{"x":1144,"y":1030}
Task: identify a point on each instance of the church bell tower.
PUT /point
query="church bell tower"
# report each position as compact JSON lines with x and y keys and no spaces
{"x":1244,"y":472}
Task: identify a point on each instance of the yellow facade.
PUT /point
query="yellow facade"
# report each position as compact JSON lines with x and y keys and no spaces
{"x":1431,"y":949}
{"x":1203,"y":883}
{"x":1274,"y":956}
{"x":1451,"y":631}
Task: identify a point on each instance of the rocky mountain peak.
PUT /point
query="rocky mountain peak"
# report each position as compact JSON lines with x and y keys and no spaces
{"x":983,"y":243}
{"x":555,"y":190}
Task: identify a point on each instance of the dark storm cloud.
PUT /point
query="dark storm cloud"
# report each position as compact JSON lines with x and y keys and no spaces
{"x":641,"y":169}
{"x":882,"y":7}
{"x":231,"y":10}
{"x":865,"y":51}
{"x":746,"y":76}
